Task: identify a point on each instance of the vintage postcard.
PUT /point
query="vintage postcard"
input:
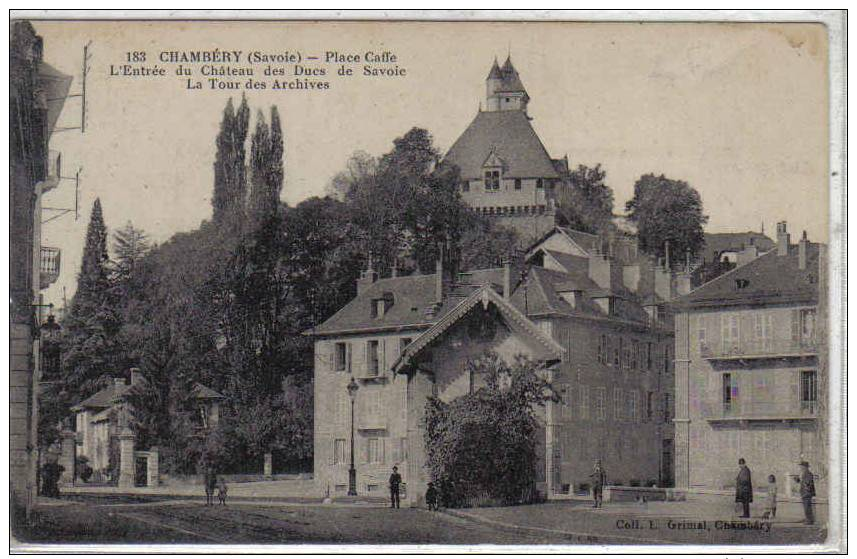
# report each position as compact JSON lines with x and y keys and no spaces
{"x":298,"y":281}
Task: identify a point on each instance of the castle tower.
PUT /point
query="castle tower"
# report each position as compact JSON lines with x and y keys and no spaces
{"x":504,"y":90}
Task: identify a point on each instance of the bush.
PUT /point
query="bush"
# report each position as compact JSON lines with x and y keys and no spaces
{"x":481,"y":447}
{"x":84,"y":470}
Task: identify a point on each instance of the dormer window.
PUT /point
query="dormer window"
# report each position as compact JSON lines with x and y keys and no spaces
{"x":492,"y":180}
{"x":381,"y":305}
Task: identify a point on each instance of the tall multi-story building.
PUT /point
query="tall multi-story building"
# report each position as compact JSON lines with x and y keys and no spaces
{"x":506,"y":172}
{"x":749,"y":380}
{"x":595,"y":321}
{"x":36,"y":96}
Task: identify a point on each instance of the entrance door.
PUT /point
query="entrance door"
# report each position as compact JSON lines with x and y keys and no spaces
{"x":141,"y":468}
{"x":667,"y":464}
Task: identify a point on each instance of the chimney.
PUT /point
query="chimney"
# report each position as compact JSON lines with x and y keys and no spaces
{"x":136,"y":377}
{"x":782,"y":239}
{"x":683,"y":283}
{"x":748,"y":254}
{"x":507,"y":278}
{"x":367,"y":277}
{"x":631,"y":276}
{"x":600,"y":270}
{"x":801,"y":251}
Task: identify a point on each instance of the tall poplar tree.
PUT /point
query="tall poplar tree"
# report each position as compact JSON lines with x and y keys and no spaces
{"x":230,"y":182}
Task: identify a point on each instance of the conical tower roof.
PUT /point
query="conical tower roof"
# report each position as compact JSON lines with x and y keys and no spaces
{"x":511,"y":81}
{"x":495,"y":72}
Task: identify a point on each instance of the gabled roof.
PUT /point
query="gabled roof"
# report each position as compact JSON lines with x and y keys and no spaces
{"x":768,"y":279}
{"x":104,"y":398}
{"x":412,"y":295}
{"x":717,"y":243}
{"x":485,"y":295}
{"x":511,"y":135}
{"x":570,"y":262}
{"x":582,"y":242}
{"x":202,"y":392}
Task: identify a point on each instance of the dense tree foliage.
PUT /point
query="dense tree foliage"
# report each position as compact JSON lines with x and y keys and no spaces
{"x":667,"y":211}
{"x":586,"y":202}
{"x":483,"y":445}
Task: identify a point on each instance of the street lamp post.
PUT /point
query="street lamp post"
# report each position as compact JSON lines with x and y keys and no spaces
{"x":352,"y":473}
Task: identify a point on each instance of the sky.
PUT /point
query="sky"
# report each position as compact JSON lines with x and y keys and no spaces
{"x":737,"y":110}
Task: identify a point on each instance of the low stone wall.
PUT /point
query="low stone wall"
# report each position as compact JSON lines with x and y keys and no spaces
{"x":167,"y":479}
{"x":621,"y":493}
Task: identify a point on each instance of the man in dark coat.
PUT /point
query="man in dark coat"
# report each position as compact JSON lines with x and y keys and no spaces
{"x":807,"y":492}
{"x":744,"y":488}
{"x":395,"y":482}
{"x":599,"y":479}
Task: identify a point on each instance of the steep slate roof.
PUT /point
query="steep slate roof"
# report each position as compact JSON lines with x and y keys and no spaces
{"x":484,"y":295}
{"x":772,"y":279}
{"x":105,"y":397}
{"x":570,"y":262}
{"x":202,"y":392}
{"x":511,"y":136}
{"x":510,"y":80}
{"x":716,"y":243}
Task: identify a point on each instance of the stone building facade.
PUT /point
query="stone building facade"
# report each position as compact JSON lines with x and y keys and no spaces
{"x":36,"y":98}
{"x":597,"y":324}
{"x":749,"y":381}
{"x":506,"y":172}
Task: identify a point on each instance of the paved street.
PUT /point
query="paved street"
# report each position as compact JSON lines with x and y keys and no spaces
{"x":177,"y":521}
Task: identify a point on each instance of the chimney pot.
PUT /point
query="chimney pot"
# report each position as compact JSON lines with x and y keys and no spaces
{"x":801,"y":252}
{"x":783,"y":239}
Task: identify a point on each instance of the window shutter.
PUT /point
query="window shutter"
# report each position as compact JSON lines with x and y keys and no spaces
{"x":363,"y":360}
{"x":383,"y":450}
{"x":332,"y":451}
{"x":348,"y":357}
{"x":329,"y":353}
{"x":382,"y":357}
{"x":795,"y":324}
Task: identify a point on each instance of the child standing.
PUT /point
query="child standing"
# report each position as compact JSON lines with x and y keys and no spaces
{"x":771,"y":503}
{"x":221,"y":491}
{"x":431,"y":497}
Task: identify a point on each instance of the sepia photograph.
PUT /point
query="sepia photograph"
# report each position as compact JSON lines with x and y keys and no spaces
{"x":313,"y":282}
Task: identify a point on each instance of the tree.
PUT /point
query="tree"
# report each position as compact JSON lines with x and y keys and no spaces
{"x":486,"y":244}
{"x":586,"y":202}
{"x":667,"y":211}
{"x":230,"y":186}
{"x":90,"y":330}
{"x":483,"y":444}
{"x":266,"y":167}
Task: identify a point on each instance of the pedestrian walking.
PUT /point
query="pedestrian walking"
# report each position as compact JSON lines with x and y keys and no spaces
{"x":744,"y":488}
{"x":771,"y":501}
{"x":395,"y":482}
{"x":807,"y":492}
{"x":431,"y":496}
{"x":221,"y":491}
{"x":599,"y":480}
{"x":210,"y":482}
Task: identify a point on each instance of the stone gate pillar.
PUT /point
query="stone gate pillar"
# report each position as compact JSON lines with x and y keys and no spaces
{"x":126,"y":458}
{"x":67,"y":457}
{"x":269,"y":465}
{"x":152,"y":477}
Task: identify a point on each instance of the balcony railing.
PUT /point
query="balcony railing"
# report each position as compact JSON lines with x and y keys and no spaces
{"x":371,"y":422}
{"x":49,"y":266}
{"x":754,"y":410}
{"x":760,"y":348}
